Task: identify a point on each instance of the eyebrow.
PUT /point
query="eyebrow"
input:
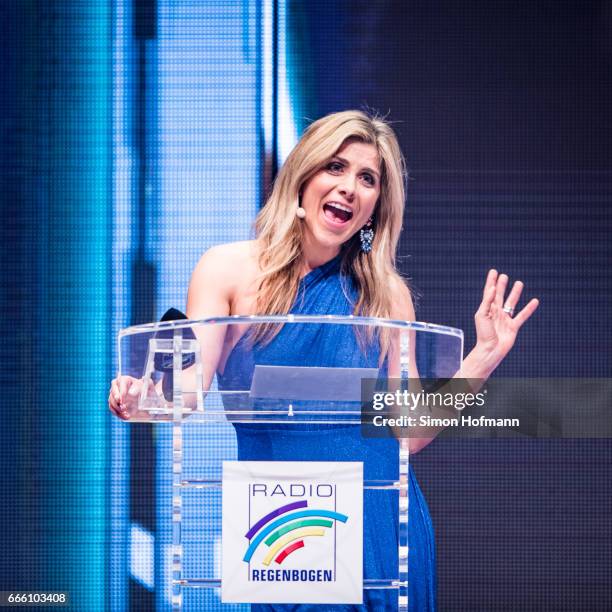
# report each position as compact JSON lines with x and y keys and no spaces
{"x":346,"y":161}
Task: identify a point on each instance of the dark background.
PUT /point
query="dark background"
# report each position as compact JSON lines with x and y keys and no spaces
{"x":503,"y":110}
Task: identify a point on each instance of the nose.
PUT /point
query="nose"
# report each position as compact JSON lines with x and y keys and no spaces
{"x":347,"y":187}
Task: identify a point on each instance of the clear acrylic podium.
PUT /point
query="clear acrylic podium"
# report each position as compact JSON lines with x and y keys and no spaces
{"x":288,"y":390}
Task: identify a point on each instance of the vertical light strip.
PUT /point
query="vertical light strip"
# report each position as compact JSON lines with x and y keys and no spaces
{"x":69,"y":437}
{"x":142,"y":545}
{"x":209,"y":185}
{"x":123,"y":238}
{"x":267,"y":28}
{"x":287,"y":129}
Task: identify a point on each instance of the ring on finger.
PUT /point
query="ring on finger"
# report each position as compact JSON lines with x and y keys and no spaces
{"x":508,"y":309}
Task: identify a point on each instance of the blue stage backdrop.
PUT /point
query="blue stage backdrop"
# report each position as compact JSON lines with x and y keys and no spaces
{"x":189,"y":141}
{"x":138,"y":133}
{"x":56,"y":242}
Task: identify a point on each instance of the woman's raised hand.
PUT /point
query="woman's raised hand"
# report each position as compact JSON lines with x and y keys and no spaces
{"x":497,"y":325}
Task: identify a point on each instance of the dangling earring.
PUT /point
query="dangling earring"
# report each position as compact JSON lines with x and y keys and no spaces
{"x":366,"y":235}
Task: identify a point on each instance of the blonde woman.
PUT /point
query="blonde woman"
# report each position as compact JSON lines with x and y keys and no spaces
{"x":325,"y":243}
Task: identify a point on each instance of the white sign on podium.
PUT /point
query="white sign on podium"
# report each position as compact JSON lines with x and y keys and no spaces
{"x":292,"y":532}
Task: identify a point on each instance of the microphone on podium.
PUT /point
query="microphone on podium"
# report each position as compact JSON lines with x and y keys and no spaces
{"x":164,"y":362}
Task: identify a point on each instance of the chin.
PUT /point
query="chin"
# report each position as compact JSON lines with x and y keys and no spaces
{"x":327,"y":241}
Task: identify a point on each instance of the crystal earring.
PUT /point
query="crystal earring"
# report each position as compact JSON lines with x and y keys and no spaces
{"x":366,"y":235}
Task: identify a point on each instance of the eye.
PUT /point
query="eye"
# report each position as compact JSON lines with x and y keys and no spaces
{"x":369,"y":179}
{"x":335,"y":166}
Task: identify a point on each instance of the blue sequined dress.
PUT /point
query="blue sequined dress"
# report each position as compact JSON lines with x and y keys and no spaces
{"x":325,"y":291}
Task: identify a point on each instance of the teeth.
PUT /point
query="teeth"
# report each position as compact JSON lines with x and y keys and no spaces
{"x":340,"y":206}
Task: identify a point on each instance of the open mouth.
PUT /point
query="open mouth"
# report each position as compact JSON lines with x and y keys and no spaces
{"x":336,"y":213}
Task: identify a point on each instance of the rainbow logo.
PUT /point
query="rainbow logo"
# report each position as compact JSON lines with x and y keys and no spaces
{"x":286,"y":534}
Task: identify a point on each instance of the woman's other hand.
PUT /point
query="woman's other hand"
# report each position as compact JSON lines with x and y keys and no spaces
{"x":123,"y":399}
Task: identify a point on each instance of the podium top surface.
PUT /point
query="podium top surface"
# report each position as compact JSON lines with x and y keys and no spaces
{"x":417,"y":326}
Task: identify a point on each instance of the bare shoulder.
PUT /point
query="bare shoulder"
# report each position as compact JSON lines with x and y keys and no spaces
{"x":232,"y":250}
{"x":403,"y":307}
{"x":221,"y":272}
{"x":226,"y":263}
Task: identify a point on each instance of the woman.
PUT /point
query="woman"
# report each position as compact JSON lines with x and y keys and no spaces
{"x":326,"y":242}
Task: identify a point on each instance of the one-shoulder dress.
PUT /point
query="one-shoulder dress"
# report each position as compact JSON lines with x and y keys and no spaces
{"x":326,"y":291}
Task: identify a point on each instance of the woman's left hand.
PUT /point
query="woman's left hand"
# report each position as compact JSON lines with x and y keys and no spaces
{"x":496,"y":324}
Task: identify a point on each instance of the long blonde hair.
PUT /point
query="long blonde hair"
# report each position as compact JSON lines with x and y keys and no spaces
{"x":279,"y":231}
